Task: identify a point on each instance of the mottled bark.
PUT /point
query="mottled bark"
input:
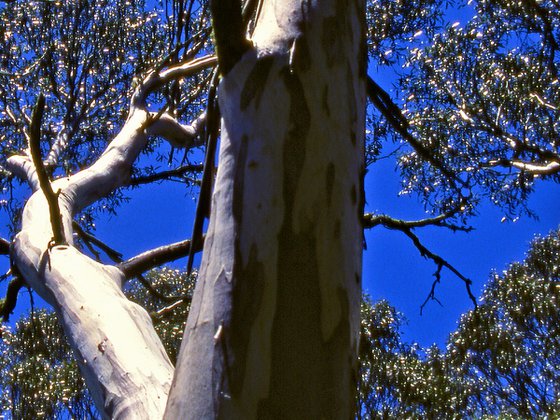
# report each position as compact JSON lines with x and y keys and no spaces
{"x":273,"y":328}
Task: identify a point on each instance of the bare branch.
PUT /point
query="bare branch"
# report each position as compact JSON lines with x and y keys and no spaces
{"x":549,"y":168}
{"x":4,"y":246}
{"x":23,"y":168}
{"x":161,"y":313}
{"x":8,"y":304}
{"x":229,"y":32}
{"x":179,"y":135}
{"x":371,"y":220}
{"x":164,"y":175}
{"x":156,"y":79}
{"x":35,"y":150}
{"x":440,"y":262}
{"x":57,"y":148}
{"x":89,"y":238}
{"x":156,"y":257}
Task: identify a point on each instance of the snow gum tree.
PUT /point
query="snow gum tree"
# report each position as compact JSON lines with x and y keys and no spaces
{"x":273,"y":329}
{"x":275,"y":313}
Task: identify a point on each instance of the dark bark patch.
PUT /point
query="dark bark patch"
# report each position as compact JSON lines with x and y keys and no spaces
{"x":362,"y":201}
{"x":301,"y":56}
{"x":361,"y":205}
{"x":247,"y":297}
{"x":326,"y":105}
{"x":352,"y":106}
{"x":329,"y":182}
{"x":299,"y":122}
{"x":337,"y":229}
{"x":362,"y":59}
{"x":253,"y":164}
{"x":330,"y":39}
{"x":256,"y":82}
{"x":239,"y":182}
{"x":354,"y":195}
{"x":353,"y":137}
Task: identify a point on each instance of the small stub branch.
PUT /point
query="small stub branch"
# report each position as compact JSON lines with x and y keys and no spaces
{"x":44,"y":183}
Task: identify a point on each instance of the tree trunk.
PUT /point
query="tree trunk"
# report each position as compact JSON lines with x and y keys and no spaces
{"x":274,"y":323}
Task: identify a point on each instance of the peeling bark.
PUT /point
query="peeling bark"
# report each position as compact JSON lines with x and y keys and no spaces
{"x":273,"y":327}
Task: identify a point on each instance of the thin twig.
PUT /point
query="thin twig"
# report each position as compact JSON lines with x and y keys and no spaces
{"x":88,"y":237}
{"x":164,"y":175}
{"x":161,"y":313}
{"x":205,"y":196}
{"x":440,"y":262}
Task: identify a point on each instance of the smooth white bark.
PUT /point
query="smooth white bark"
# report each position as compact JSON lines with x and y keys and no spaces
{"x":123,"y":361}
{"x":273,"y":327}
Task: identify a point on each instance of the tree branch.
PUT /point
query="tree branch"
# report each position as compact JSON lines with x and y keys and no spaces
{"x":161,"y":176}
{"x":371,"y":220}
{"x":58,"y":147}
{"x":35,"y":151}
{"x":383,"y":102}
{"x":23,"y":168}
{"x":161,"y":313}
{"x":440,"y":262}
{"x":158,"y":78}
{"x":549,"y":168}
{"x":4,"y":247}
{"x":156,"y":257}
{"x":179,"y":135}
{"x":229,"y":33}
{"x":8,"y":304}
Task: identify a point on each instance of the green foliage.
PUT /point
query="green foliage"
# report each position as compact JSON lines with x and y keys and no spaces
{"x":509,"y":349}
{"x":503,"y":361}
{"x":170,"y":314}
{"x":483,"y":98}
{"x":39,"y":376}
{"x":398,"y":380}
